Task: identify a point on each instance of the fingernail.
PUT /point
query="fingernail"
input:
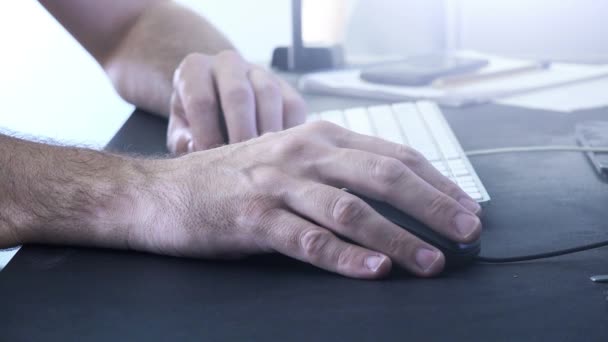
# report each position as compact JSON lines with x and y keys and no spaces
{"x":426,"y":258}
{"x":470,"y":205}
{"x":373,"y":262}
{"x":466,"y":224}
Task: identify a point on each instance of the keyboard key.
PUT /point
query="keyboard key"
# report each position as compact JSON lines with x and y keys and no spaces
{"x":456,"y":163}
{"x":443,"y":136}
{"x":415,"y":130}
{"x":458,"y":167}
{"x":358,"y":121}
{"x":459,"y":171}
{"x":469,"y":189}
{"x":334,"y":116}
{"x":420,"y":125}
{"x":384,"y":122}
{"x":466,"y":184}
{"x":462,"y":179}
{"x":440,"y":166}
{"x":475,"y":195}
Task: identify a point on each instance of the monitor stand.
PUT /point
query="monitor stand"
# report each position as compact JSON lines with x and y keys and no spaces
{"x":300,"y":58}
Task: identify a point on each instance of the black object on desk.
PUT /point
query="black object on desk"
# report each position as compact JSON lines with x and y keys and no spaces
{"x":539,"y":202}
{"x":456,"y":254}
{"x":298,"y":57}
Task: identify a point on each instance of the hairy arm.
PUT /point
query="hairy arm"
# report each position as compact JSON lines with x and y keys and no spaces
{"x":168,"y":60}
{"x":53,"y":194}
{"x":139,"y":43}
{"x":277,"y":193}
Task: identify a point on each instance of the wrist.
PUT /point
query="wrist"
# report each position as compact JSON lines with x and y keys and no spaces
{"x":147,"y":210}
{"x":132,"y":207}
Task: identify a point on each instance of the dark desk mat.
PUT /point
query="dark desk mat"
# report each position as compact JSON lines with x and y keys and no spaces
{"x":540,"y":201}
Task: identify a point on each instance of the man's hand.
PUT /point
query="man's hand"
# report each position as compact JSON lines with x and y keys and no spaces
{"x":281,"y":193}
{"x":168,"y":60}
{"x":223,"y":99}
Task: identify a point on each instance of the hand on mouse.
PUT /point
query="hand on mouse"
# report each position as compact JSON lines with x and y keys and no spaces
{"x":223,"y":99}
{"x":281,"y":193}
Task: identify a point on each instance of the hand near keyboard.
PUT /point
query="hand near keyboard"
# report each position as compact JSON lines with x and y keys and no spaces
{"x":282,"y":193}
{"x":220,"y":99}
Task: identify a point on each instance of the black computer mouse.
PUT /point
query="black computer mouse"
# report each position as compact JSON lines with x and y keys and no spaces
{"x":456,"y":254}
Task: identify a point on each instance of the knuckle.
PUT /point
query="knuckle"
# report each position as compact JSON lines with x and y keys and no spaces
{"x":199,"y":103}
{"x":438,"y":205}
{"x":229,"y":56}
{"x":294,"y":104}
{"x":176,"y":143}
{"x":186,"y":64}
{"x":193,"y":58}
{"x":400,"y":245}
{"x":266,"y":179}
{"x":257,"y":211}
{"x":314,"y":243}
{"x":323,"y":127}
{"x":239,"y":94}
{"x":347,"y":210}
{"x":292,"y":145}
{"x":387,"y":172}
{"x":410,"y":156}
{"x":268,"y":88}
{"x":451,"y":189}
{"x":346,"y":258}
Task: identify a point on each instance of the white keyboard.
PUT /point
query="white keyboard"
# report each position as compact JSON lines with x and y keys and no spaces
{"x":420,"y":125}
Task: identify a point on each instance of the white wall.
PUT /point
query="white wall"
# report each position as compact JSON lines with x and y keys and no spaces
{"x":554,"y":29}
{"x":562,"y":29}
{"x":396,"y":27}
{"x":49,"y":86}
{"x":255,"y":27}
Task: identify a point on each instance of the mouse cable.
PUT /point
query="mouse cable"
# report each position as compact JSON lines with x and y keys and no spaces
{"x":493,"y":260}
{"x":523,"y":149}
{"x":550,"y":148}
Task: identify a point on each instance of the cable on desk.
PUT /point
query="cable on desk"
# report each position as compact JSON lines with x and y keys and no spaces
{"x":524,"y":149}
{"x":582,"y":248}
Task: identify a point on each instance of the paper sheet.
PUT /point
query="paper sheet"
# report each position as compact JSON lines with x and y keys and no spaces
{"x":349,"y":83}
{"x":566,"y":99}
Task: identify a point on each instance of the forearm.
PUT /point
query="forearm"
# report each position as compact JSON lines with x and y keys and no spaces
{"x":52,"y":194}
{"x":142,"y":65}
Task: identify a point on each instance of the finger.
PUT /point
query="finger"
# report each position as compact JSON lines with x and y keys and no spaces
{"x":389,"y":180}
{"x":412,"y":159}
{"x":300,"y":239}
{"x":269,"y":104}
{"x":236,"y":96}
{"x":179,"y":138}
{"x":349,"y":216}
{"x":294,"y":107}
{"x":194,"y":84}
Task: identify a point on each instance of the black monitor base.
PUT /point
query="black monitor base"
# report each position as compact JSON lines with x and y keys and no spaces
{"x":308,"y":58}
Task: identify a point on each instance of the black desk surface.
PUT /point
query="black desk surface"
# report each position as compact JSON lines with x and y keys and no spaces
{"x":540,"y":201}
